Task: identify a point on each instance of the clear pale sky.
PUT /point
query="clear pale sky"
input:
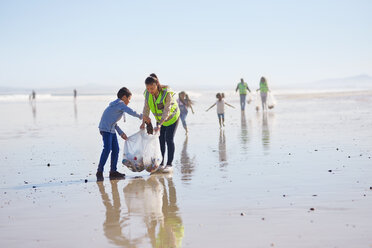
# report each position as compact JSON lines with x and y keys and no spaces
{"x":187,"y":43}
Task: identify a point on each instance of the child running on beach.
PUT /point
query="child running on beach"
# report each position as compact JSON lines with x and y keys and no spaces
{"x":220,"y":108}
{"x":184,"y":103}
{"x":107,"y":127}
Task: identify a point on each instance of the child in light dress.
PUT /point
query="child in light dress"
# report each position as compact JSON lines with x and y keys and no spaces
{"x":220,"y":103}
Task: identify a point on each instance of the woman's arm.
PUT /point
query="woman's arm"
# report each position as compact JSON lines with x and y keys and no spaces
{"x":192,"y":110}
{"x":145,"y":115}
{"x":167,"y":108}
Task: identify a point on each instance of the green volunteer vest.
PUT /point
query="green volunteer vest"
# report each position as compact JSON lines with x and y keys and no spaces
{"x":243,"y":88}
{"x":263,"y":87}
{"x":159,"y":104}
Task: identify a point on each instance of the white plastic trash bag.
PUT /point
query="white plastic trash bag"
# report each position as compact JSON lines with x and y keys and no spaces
{"x":257,"y":101}
{"x":271,"y":102}
{"x":142,"y":152}
{"x":249,"y":96}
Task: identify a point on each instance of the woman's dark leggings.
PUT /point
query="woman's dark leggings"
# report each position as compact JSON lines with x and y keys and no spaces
{"x":167,"y":135}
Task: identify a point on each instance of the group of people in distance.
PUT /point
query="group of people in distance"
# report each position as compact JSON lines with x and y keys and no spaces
{"x":263,"y":89}
{"x":161,"y":102}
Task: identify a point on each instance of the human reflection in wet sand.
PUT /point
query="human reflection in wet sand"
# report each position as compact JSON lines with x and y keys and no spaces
{"x":156,"y":204}
{"x":112,"y":225}
{"x":244,"y":134}
{"x":152,"y":213}
{"x":187,"y":163}
{"x":222,"y":149}
{"x":265,"y":132}
{"x":33,"y":108}
{"x":75,"y":109}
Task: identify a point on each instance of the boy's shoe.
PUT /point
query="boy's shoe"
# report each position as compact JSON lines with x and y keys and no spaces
{"x":167,"y":169}
{"x":116,"y":175}
{"x":99,"y":176}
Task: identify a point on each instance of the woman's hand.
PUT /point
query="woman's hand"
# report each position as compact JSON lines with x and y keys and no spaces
{"x":142,"y":125}
{"x":157,"y":128}
{"x":146,"y":119}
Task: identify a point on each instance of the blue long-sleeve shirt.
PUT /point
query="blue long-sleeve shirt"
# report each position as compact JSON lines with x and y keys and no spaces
{"x":112,"y":115}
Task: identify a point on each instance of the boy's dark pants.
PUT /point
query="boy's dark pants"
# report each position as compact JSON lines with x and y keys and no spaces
{"x":110,"y":144}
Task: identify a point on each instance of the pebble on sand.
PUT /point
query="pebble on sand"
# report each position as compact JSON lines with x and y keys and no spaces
{"x":86,"y":180}
{"x":312,"y":209}
{"x":242,"y":214}
{"x":329,"y":170}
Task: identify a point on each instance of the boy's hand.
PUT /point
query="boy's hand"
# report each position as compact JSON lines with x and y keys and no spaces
{"x":124,"y":136}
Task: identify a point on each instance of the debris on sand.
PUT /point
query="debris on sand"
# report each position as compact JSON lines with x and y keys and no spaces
{"x":329,"y":170}
{"x":312,"y":209}
{"x":242,"y":214}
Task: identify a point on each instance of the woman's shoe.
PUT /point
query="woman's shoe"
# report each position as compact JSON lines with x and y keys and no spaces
{"x":168,"y":169}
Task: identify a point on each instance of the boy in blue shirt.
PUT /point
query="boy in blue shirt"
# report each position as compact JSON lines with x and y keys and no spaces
{"x":108,"y":126}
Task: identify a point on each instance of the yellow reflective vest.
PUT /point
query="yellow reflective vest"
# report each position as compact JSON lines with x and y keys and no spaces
{"x":157,"y":107}
{"x":242,"y":88}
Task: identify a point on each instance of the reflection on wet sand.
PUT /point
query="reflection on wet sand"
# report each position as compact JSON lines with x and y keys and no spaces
{"x":187,"y":163}
{"x":33,"y":108}
{"x":222,"y":149}
{"x":112,"y":225}
{"x":75,"y":110}
{"x":152,"y":217}
{"x":244,"y":132}
{"x":265,"y":131}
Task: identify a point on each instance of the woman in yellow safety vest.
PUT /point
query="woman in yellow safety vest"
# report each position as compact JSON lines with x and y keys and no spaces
{"x":264,"y":88}
{"x":161,"y":101}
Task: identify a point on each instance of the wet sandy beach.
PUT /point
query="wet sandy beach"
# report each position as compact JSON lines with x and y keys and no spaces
{"x":298,"y":176}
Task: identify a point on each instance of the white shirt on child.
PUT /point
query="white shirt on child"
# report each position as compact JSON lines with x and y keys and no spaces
{"x":220,"y":106}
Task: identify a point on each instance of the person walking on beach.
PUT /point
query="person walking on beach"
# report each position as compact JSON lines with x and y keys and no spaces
{"x":184,"y":103}
{"x":242,"y":87}
{"x":32,"y":95}
{"x":75,"y":93}
{"x":220,"y":109}
{"x":161,"y":101}
{"x":108,"y":126}
{"x":264,"y":88}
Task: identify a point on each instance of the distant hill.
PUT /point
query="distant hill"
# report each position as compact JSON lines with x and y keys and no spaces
{"x":355,"y":82}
